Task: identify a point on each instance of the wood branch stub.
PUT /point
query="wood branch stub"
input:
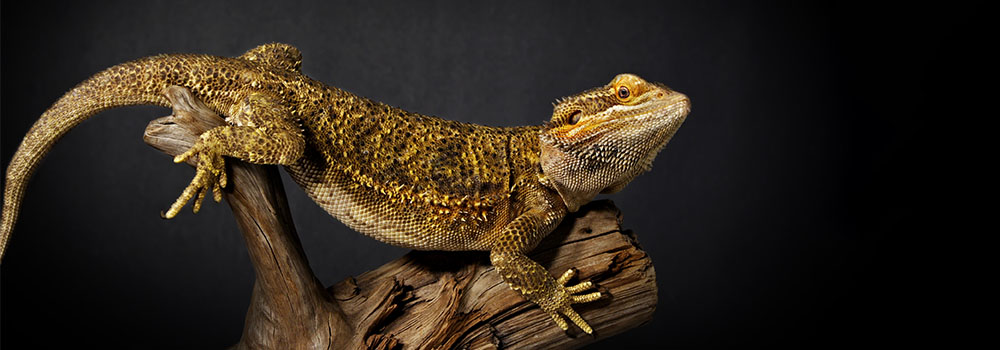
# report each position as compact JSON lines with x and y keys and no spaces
{"x":289,"y":308}
{"x":439,"y":300}
{"x":456,"y":300}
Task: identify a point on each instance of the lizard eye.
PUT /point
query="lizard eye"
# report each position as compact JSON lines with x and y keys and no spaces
{"x":575,"y":117}
{"x":623,"y":92}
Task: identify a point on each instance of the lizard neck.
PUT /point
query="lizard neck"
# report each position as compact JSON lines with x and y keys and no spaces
{"x":527,"y":178}
{"x":555,"y":169}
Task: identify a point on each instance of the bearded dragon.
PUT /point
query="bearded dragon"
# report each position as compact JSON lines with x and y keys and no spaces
{"x":406,"y":179}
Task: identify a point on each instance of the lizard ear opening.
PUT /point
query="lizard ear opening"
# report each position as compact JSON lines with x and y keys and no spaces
{"x":561,"y":170}
{"x":573,"y":199}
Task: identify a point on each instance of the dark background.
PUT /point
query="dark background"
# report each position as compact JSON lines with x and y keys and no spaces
{"x":775,"y":217}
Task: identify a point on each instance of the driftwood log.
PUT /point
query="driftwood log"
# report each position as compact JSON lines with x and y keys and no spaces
{"x":423,"y":300}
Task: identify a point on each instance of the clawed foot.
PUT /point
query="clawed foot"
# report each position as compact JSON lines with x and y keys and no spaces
{"x":211,"y":173}
{"x":569,"y":297}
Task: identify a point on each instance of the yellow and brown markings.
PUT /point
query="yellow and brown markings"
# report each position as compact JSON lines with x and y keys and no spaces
{"x":418,"y":159}
{"x":403,"y":178}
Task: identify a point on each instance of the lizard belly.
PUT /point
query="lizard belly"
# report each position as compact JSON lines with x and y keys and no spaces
{"x":388,"y":219}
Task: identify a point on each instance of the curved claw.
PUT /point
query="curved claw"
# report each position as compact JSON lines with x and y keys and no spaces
{"x":579,"y":288}
{"x":586,"y":298}
{"x":577,"y":320}
{"x":569,"y":297}
{"x":566,"y":276}
{"x":190,"y":152}
{"x":223,"y":179}
{"x":210,"y":174}
{"x":217,"y":192}
{"x":559,"y":321}
{"x":196,"y":205}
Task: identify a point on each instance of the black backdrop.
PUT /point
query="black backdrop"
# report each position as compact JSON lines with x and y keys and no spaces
{"x":771,"y":217}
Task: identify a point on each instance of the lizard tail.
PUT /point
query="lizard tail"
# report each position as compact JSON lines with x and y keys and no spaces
{"x":132,"y":83}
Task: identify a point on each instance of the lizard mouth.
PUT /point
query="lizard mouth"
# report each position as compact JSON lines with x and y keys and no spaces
{"x":655,"y":118}
{"x":651,"y":124}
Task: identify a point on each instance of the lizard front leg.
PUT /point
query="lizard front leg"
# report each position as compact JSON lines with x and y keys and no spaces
{"x":264,"y":132}
{"x":531,"y":279}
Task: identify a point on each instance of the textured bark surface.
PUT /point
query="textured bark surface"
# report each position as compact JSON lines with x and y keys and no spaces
{"x":424,"y":299}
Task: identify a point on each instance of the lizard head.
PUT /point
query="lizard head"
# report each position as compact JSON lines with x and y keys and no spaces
{"x":600,"y":139}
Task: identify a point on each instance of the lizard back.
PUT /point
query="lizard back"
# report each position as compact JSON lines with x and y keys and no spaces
{"x":407,"y":179}
{"x":421,"y":168}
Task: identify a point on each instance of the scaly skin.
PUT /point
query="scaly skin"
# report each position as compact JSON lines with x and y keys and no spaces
{"x":406,"y":179}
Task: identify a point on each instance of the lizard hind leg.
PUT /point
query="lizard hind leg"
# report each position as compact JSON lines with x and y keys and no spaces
{"x":264,"y":132}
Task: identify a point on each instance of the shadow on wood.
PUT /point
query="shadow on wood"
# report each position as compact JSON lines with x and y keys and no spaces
{"x":424,"y":299}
